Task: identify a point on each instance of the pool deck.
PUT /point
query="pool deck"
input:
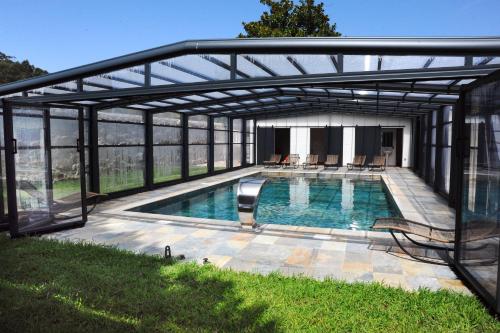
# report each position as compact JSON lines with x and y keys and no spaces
{"x":316,"y":252}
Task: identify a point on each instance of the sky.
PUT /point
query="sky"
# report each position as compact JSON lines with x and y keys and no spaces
{"x":61,"y":34}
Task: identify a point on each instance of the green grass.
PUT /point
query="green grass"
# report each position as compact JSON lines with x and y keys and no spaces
{"x":62,"y":287}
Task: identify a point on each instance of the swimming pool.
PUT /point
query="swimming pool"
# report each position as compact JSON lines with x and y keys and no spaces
{"x":340,"y":203}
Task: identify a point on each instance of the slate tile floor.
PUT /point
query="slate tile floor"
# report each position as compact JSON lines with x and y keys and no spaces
{"x":350,"y":257}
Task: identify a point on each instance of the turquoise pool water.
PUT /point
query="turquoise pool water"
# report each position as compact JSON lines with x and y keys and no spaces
{"x":314,"y":202}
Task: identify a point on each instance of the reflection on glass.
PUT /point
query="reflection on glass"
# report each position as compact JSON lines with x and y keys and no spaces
{"x":167,"y":163}
{"x":121,"y":168}
{"x":198,"y":159}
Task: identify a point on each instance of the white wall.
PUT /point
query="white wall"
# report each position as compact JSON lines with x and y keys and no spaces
{"x":348,"y":148}
{"x":300,"y":137}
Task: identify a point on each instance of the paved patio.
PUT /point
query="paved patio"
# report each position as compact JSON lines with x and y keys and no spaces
{"x":316,"y":252}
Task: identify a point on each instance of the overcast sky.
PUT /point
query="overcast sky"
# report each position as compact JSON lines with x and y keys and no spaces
{"x":60,"y":34}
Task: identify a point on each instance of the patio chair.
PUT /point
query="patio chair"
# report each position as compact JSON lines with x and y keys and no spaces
{"x":63,"y":204}
{"x":476,"y":231}
{"x":377,"y":163}
{"x":292,"y":162}
{"x":285,"y":161}
{"x":332,"y":161}
{"x":311,"y":162}
{"x":273,"y":161}
{"x":357,"y":162}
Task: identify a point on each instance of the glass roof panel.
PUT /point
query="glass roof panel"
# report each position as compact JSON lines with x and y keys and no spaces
{"x":190,"y":68}
{"x":477,"y":61}
{"x":196,"y":98}
{"x":175,"y":101}
{"x":265,"y":65}
{"x":141,"y":106}
{"x":238,"y":92}
{"x":403,"y":62}
{"x":447,"y":62}
{"x":360,"y":63}
{"x":60,"y":88}
{"x":248,"y":68}
{"x":215,"y":94}
{"x":132,"y":77}
{"x":249,"y":102}
{"x":315,"y":63}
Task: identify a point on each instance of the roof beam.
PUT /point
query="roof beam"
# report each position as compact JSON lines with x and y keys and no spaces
{"x":425,"y":100}
{"x":274,"y":82}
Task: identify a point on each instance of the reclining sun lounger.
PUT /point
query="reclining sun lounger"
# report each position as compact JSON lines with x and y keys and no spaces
{"x":357,"y":162}
{"x":332,"y":161}
{"x":377,"y":163}
{"x":273,"y":161}
{"x":311,"y":162}
{"x":476,"y":231}
{"x":63,"y":204}
{"x":292,"y":161}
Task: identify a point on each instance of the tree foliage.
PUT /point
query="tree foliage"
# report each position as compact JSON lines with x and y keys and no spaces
{"x":287,"y":19}
{"x":11,"y":70}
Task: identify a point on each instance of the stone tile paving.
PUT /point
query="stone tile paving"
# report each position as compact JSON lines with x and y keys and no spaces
{"x":316,"y":252}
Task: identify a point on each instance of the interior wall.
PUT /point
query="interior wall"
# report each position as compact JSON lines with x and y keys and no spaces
{"x":300,"y":137}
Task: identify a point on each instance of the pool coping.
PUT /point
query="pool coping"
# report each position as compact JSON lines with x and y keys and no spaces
{"x":402,"y":203}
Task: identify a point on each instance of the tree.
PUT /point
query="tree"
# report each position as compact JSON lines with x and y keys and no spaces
{"x":287,"y":19}
{"x":11,"y":70}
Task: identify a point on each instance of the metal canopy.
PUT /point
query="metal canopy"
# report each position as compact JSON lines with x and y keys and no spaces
{"x":273,"y":76}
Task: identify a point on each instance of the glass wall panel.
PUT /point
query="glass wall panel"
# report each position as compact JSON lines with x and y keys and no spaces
{"x":167,"y":163}
{"x":121,"y":141}
{"x":221,"y":143}
{"x":167,"y":147}
{"x":121,"y":168}
{"x":249,"y":142}
{"x":444,"y":145}
{"x":3,"y":179}
{"x":198,"y":141}
{"x":480,"y":202}
{"x":237,"y":142}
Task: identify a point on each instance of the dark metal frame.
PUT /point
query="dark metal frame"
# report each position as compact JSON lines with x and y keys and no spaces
{"x":460,"y":141}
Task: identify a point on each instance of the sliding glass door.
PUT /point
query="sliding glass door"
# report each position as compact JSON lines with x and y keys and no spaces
{"x":45,"y":169}
{"x":478,"y":215}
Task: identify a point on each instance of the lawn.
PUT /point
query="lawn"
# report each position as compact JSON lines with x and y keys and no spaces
{"x":51,"y":286}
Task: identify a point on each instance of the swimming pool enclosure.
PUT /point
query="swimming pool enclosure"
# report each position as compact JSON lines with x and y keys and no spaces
{"x":198,"y":108}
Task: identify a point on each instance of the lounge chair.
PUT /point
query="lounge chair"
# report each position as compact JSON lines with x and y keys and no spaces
{"x":311,"y":162}
{"x":476,"y":231}
{"x":357,"y":162}
{"x":292,"y":161}
{"x":332,"y":161}
{"x":63,"y":204}
{"x":377,"y":163}
{"x":273,"y":161}
{"x":285,"y":161}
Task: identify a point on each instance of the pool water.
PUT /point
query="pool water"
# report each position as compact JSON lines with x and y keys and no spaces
{"x":313,"y":202}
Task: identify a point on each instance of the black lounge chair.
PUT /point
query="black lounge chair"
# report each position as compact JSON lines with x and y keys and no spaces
{"x":476,"y":231}
{"x":311,"y":162}
{"x":377,"y":163}
{"x":357,"y":162}
{"x":332,"y":161}
{"x":273,"y":161}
